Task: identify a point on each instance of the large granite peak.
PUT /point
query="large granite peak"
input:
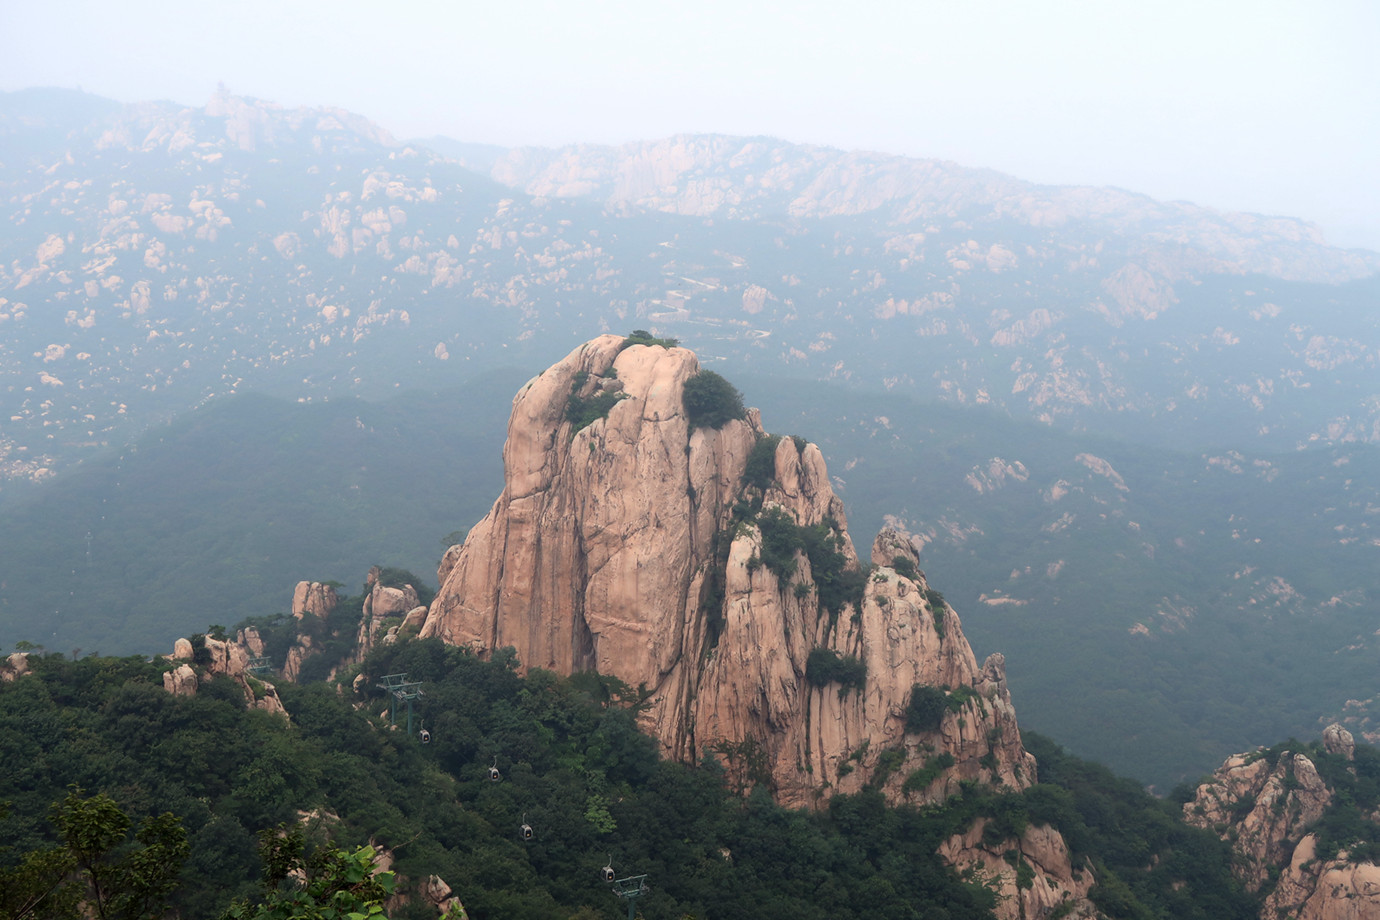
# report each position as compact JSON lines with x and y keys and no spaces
{"x":712,"y":570}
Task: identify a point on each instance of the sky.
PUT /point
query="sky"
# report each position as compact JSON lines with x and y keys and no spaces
{"x":1264,"y":106}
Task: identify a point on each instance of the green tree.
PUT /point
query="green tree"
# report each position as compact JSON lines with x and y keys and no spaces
{"x":711,"y":401}
{"x":328,"y":884}
{"x":95,"y":871}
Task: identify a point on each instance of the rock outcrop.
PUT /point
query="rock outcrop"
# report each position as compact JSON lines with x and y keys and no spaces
{"x":1033,"y":875}
{"x":314,"y":598}
{"x":13,"y":667}
{"x":1265,"y":807}
{"x":312,"y":602}
{"x":712,"y":569}
{"x":1337,"y":889}
{"x":1337,"y":740}
{"x":208,"y":658}
{"x":384,"y":602}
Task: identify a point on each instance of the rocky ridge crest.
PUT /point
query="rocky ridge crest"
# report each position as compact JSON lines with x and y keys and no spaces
{"x":754,"y":178}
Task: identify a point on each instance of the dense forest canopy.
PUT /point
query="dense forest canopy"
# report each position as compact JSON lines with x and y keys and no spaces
{"x":573,"y":767}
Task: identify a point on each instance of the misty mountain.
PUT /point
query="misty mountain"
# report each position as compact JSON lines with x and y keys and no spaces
{"x":158,"y":255}
{"x":1135,"y":436}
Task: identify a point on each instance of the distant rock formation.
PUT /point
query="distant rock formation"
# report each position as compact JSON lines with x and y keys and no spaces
{"x":384,"y":602}
{"x":311,"y":601}
{"x":1054,"y":882}
{"x":15,"y":666}
{"x":314,"y":598}
{"x":1266,"y":810}
{"x":740,"y":178}
{"x":208,"y":658}
{"x":709,"y":568}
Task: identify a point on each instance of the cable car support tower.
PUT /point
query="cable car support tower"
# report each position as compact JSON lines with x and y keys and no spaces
{"x":400,"y":689}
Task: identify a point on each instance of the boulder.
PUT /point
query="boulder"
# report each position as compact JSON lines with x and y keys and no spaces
{"x":312,"y":598}
{"x":1337,"y":740}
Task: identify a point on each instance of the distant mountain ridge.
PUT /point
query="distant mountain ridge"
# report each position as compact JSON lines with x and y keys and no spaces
{"x":766,"y":179}
{"x":158,"y":254}
{"x":157,"y":257}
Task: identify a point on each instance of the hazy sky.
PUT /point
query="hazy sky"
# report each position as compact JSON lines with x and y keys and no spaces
{"x":1264,"y":106}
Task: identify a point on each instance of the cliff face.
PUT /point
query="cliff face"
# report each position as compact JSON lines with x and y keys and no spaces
{"x":646,"y":548}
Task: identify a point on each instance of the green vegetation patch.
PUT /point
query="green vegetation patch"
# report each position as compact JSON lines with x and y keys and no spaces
{"x":643,"y":337}
{"x":906,"y":568}
{"x":583,"y":411}
{"x":821,"y":543}
{"x":760,"y":471}
{"x":919,"y":780}
{"x":925,"y":709}
{"x":825,"y":666}
{"x":711,"y":401}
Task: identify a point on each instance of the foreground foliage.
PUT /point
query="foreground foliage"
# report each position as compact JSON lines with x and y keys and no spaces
{"x":573,"y":766}
{"x":93,"y":870}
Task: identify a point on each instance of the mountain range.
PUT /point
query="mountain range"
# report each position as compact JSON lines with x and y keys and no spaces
{"x":1135,"y":437}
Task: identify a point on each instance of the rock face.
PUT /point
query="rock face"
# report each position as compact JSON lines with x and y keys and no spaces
{"x":1338,"y":740}
{"x":15,"y":666}
{"x":1266,"y":810}
{"x":1266,"y":807}
{"x":1034,"y":875}
{"x":383,"y":603}
{"x":646,"y":548}
{"x":1334,"y":890}
{"x":313,"y":598}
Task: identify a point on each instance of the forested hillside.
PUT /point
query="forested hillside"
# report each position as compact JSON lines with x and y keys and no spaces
{"x":573,"y":768}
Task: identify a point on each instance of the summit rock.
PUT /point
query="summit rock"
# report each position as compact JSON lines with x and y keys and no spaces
{"x":712,"y":570}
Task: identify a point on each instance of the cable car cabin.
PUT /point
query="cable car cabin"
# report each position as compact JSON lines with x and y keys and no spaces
{"x":607,"y":873}
{"x":526,"y":831}
{"x":426,"y":736}
{"x":494,"y":775}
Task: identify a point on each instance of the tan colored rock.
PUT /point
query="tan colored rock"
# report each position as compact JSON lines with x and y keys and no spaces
{"x":314,"y":598}
{"x":616,"y":548}
{"x":1054,"y":883}
{"x":891,"y":543}
{"x":222,"y":658}
{"x":415,"y":618}
{"x":14,"y":667}
{"x":181,"y":681}
{"x":1337,"y":740}
{"x":300,"y":651}
{"x":1288,"y":797}
{"x":381,"y":604}
{"x":1335,"y":890}
{"x":252,"y":641}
